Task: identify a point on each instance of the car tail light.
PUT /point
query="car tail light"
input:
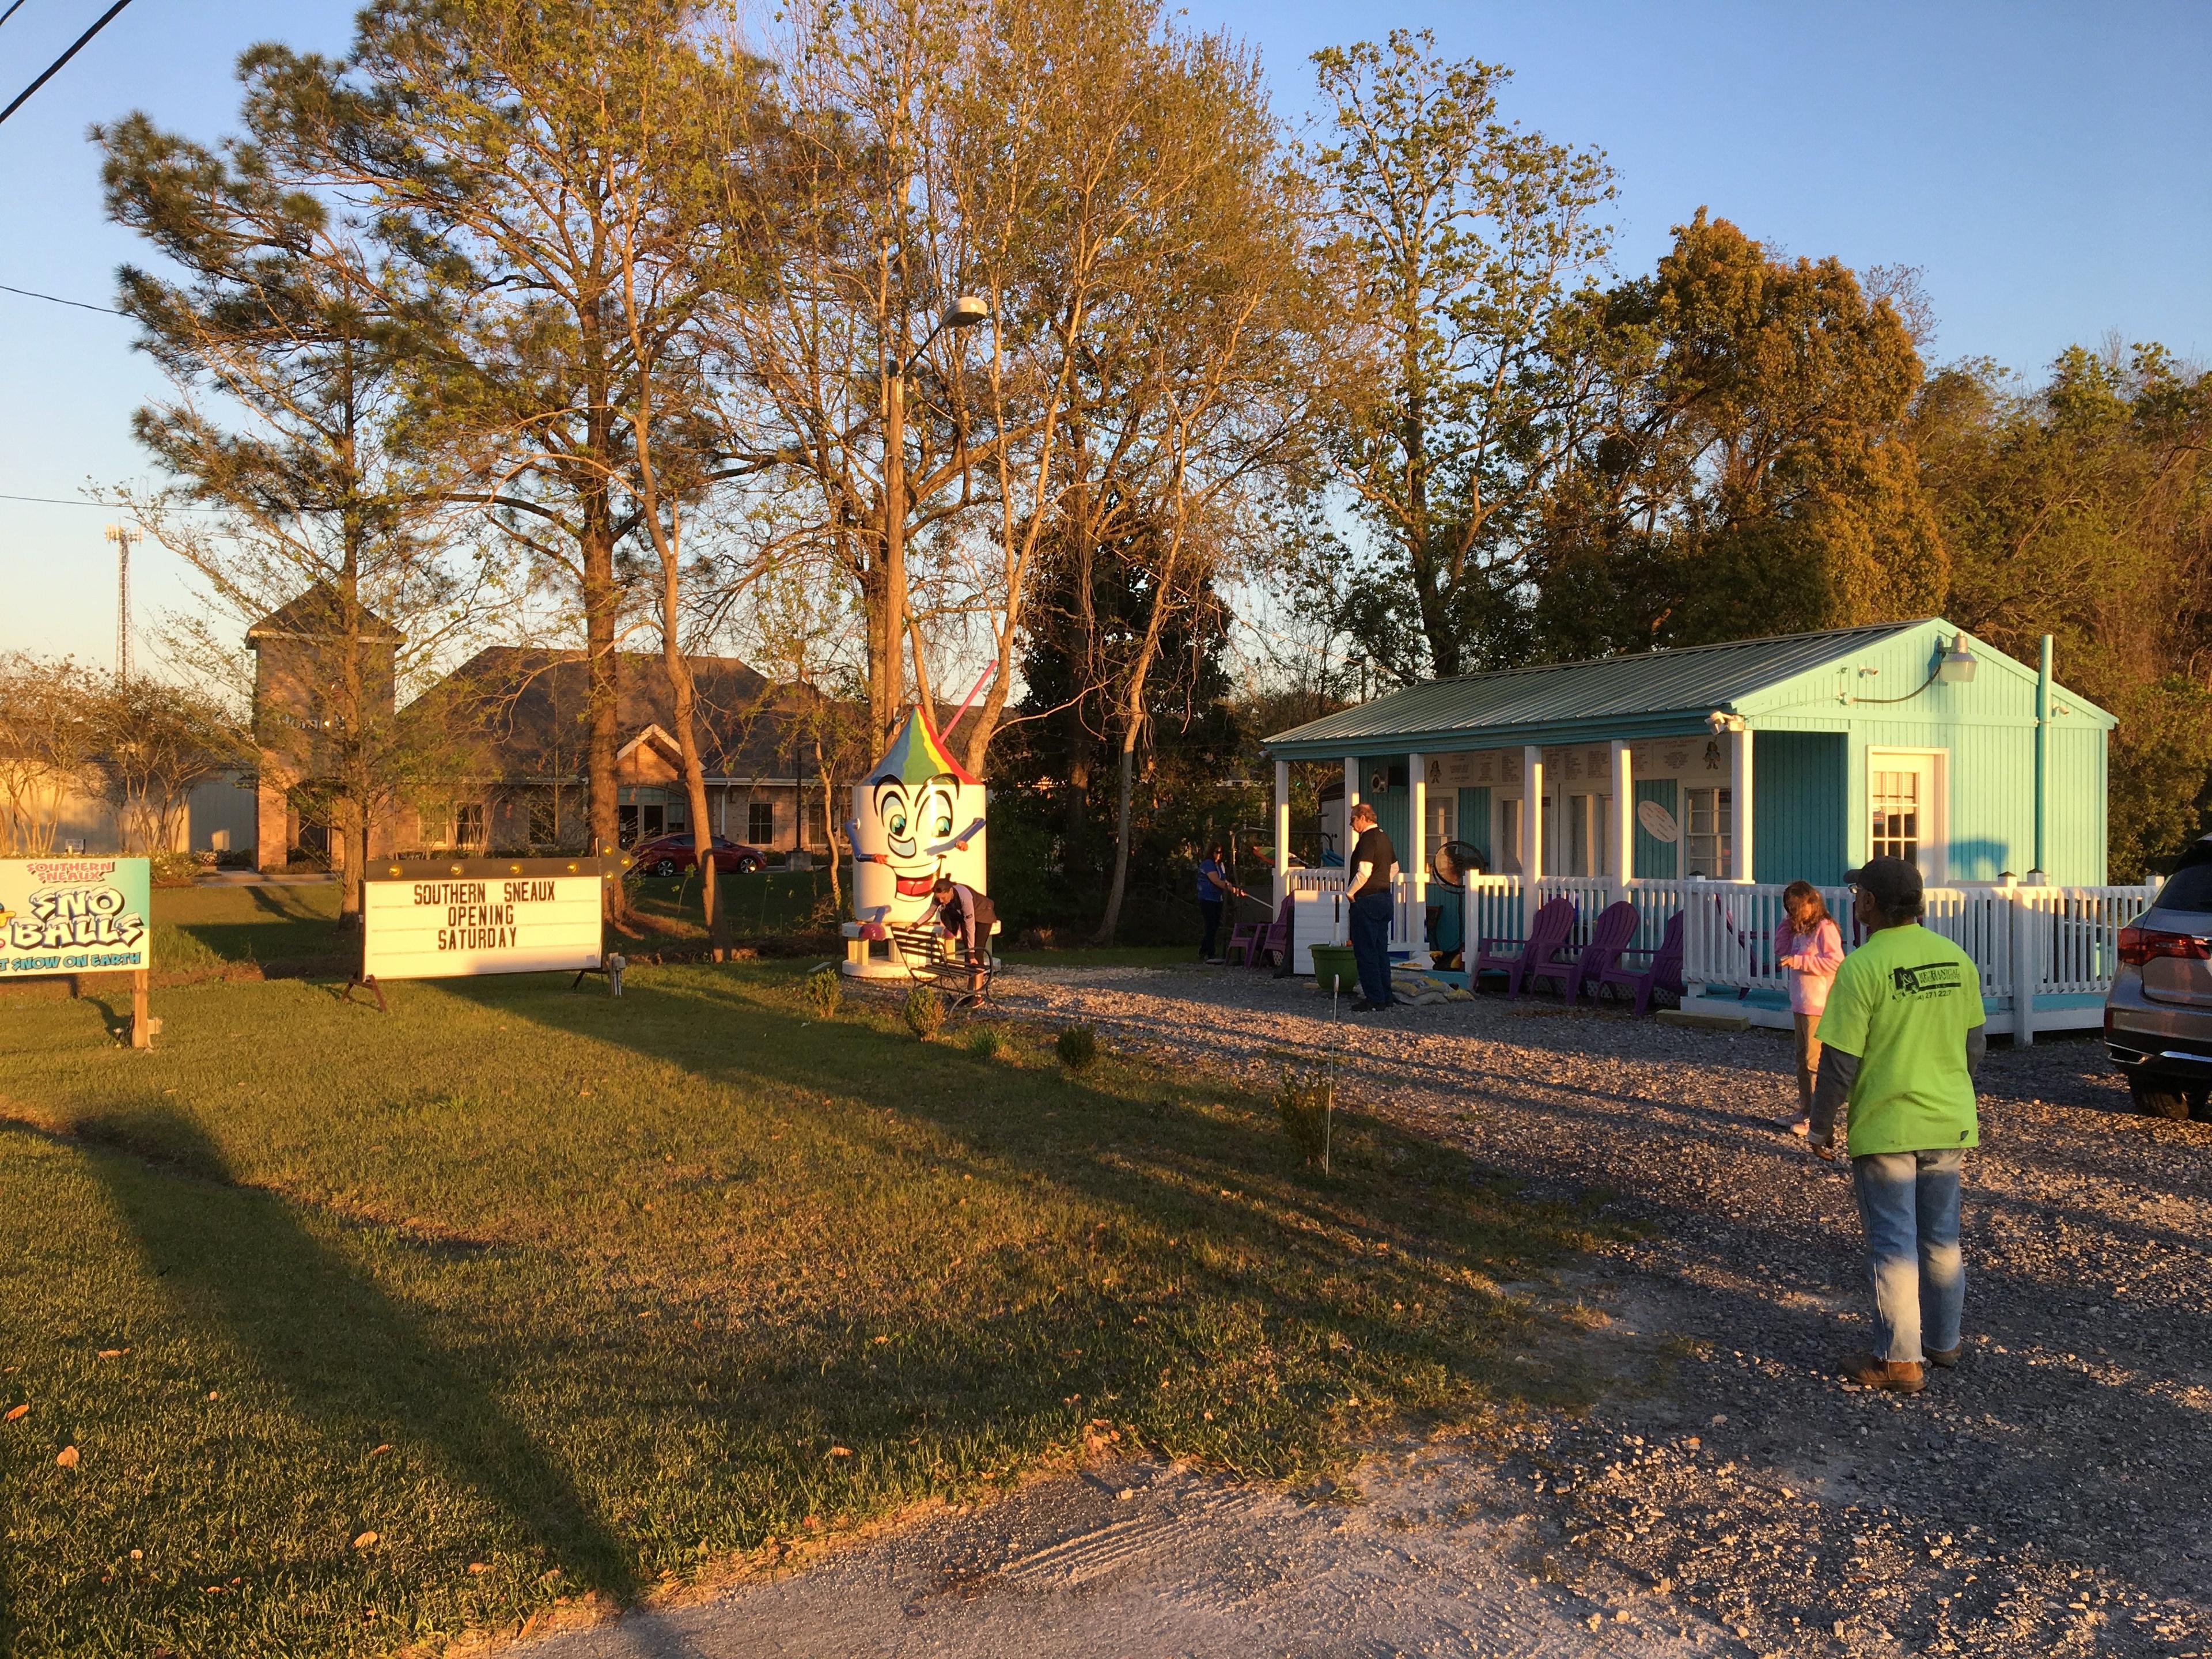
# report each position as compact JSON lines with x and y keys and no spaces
{"x":2139,"y":945}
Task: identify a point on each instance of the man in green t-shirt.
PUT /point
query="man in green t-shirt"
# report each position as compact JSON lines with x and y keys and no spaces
{"x":1901,"y":1038}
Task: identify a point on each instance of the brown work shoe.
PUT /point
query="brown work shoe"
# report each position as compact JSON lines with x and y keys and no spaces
{"x":1946,"y":1357}
{"x":1895,"y":1376}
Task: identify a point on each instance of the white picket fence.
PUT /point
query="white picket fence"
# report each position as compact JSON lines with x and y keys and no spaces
{"x":2046,"y":954}
{"x":1321,"y":915}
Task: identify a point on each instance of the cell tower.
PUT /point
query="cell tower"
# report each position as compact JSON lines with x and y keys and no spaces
{"x":122,"y":536}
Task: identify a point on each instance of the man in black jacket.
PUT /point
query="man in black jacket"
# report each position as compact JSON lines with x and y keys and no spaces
{"x":1373,"y":862}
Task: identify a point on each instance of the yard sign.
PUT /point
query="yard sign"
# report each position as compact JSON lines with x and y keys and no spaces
{"x":75,"y":916}
{"x":436,"y":918}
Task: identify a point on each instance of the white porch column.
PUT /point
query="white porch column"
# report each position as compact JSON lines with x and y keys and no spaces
{"x":1417,"y":826}
{"x":1532,"y":833}
{"x":1282,"y":858}
{"x":1740,"y":788}
{"x":1624,"y":814}
{"x":1351,"y":800}
{"x":1416,"y":807}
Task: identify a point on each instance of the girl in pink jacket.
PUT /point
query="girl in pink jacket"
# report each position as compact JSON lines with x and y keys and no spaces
{"x":1809,"y":946}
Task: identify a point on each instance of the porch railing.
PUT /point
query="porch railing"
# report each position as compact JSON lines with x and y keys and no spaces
{"x":2032,"y":944}
{"x":1320,"y":914}
{"x":2043,"y":943}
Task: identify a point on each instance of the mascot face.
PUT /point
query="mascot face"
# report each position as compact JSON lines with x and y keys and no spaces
{"x":916,"y":815}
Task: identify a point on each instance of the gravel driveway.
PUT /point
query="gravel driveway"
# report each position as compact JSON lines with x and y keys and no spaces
{"x":2052,"y":1495}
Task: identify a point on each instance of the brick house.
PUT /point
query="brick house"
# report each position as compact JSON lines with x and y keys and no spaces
{"x":516,"y":716}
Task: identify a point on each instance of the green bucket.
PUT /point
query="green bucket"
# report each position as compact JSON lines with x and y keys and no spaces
{"x":1336,"y":962}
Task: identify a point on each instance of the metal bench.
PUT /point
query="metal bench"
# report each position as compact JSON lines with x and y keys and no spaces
{"x":930,"y":956}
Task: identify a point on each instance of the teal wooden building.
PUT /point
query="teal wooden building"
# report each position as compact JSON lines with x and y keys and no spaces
{"x":1764,"y":760}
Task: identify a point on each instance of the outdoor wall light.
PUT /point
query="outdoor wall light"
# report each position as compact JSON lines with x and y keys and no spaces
{"x":1958,"y":664}
{"x":1718,"y":722}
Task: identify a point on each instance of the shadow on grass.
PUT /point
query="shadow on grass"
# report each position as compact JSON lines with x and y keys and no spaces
{"x":358,"y":1364}
{"x":1209,"y":1255}
{"x":259,"y":923}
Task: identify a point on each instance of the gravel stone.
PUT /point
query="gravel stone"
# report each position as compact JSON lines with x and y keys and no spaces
{"x":2050,"y":1495}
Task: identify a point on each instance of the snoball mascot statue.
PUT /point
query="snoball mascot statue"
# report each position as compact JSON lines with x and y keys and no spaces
{"x":917,"y":814}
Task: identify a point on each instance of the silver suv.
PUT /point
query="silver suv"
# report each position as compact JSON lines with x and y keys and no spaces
{"x":2158,"y":1016}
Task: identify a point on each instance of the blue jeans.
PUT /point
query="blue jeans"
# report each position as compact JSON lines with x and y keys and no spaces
{"x":1370,"y":946}
{"x":1210,"y":911}
{"x":1909,"y":1206}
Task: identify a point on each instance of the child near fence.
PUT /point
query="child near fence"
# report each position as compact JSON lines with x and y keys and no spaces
{"x":1810,"y":948}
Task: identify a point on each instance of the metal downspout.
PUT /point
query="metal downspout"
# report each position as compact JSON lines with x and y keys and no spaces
{"x":2043,"y":757}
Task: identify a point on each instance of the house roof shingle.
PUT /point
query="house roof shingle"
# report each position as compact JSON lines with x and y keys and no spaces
{"x":317,"y":614}
{"x":530,"y":707}
{"x":1693,"y":680}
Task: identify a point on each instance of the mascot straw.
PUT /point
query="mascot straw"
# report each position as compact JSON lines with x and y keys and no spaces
{"x":917,"y":814}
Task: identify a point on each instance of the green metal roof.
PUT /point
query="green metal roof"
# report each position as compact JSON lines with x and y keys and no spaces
{"x":1684,"y":684}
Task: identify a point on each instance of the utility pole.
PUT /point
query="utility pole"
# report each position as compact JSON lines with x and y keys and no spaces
{"x":122,"y":536}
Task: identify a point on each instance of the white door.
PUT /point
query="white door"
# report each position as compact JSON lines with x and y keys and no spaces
{"x":1904,"y":810}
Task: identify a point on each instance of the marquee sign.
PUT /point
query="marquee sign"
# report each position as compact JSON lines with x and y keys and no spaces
{"x":75,"y":916}
{"x":438,"y":918}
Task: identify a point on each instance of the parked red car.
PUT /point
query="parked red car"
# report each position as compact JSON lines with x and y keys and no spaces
{"x":671,"y":855}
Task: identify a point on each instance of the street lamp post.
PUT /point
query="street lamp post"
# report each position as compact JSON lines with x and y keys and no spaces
{"x":965,"y":311}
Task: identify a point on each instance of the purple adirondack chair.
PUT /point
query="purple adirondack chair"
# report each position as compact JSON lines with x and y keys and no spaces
{"x":1276,"y":941}
{"x":1262,"y":940}
{"x":1609,"y":936}
{"x":1548,"y":931}
{"x":1662,"y":970}
{"x":1242,"y":938}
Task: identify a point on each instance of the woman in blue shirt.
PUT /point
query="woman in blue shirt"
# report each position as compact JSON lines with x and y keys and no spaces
{"x":1213,"y":892}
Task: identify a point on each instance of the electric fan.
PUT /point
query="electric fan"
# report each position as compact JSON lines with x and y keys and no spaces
{"x":1452,"y":863}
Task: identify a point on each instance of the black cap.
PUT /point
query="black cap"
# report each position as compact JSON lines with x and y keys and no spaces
{"x":1892,"y":883}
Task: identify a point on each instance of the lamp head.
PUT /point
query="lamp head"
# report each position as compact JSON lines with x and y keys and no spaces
{"x":1957,"y":667}
{"x":965,"y":311}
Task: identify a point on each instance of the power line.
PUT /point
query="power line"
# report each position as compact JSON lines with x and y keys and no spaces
{"x":56,"y":299}
{"x":11,"y":11}
{"x":55,"y":68}
{"x":63,"y":501}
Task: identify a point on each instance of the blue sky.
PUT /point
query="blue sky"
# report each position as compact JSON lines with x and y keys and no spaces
{"x":2049,"y":167}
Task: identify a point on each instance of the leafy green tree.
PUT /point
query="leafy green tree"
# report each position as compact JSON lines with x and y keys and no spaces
{"x":47,"y":740}
{"x":280,"y":430}
{"x":1095,"y":608}
{"x":533,"y":168}
{"x":2082,"y":509}
{"x":154,"y":742}
{"x":1456,"y":244}
{"x":1745,"y":464}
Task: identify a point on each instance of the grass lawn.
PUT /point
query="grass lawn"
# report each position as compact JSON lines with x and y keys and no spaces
{"x":200,"y":929}
{"x":561,"y":1297}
